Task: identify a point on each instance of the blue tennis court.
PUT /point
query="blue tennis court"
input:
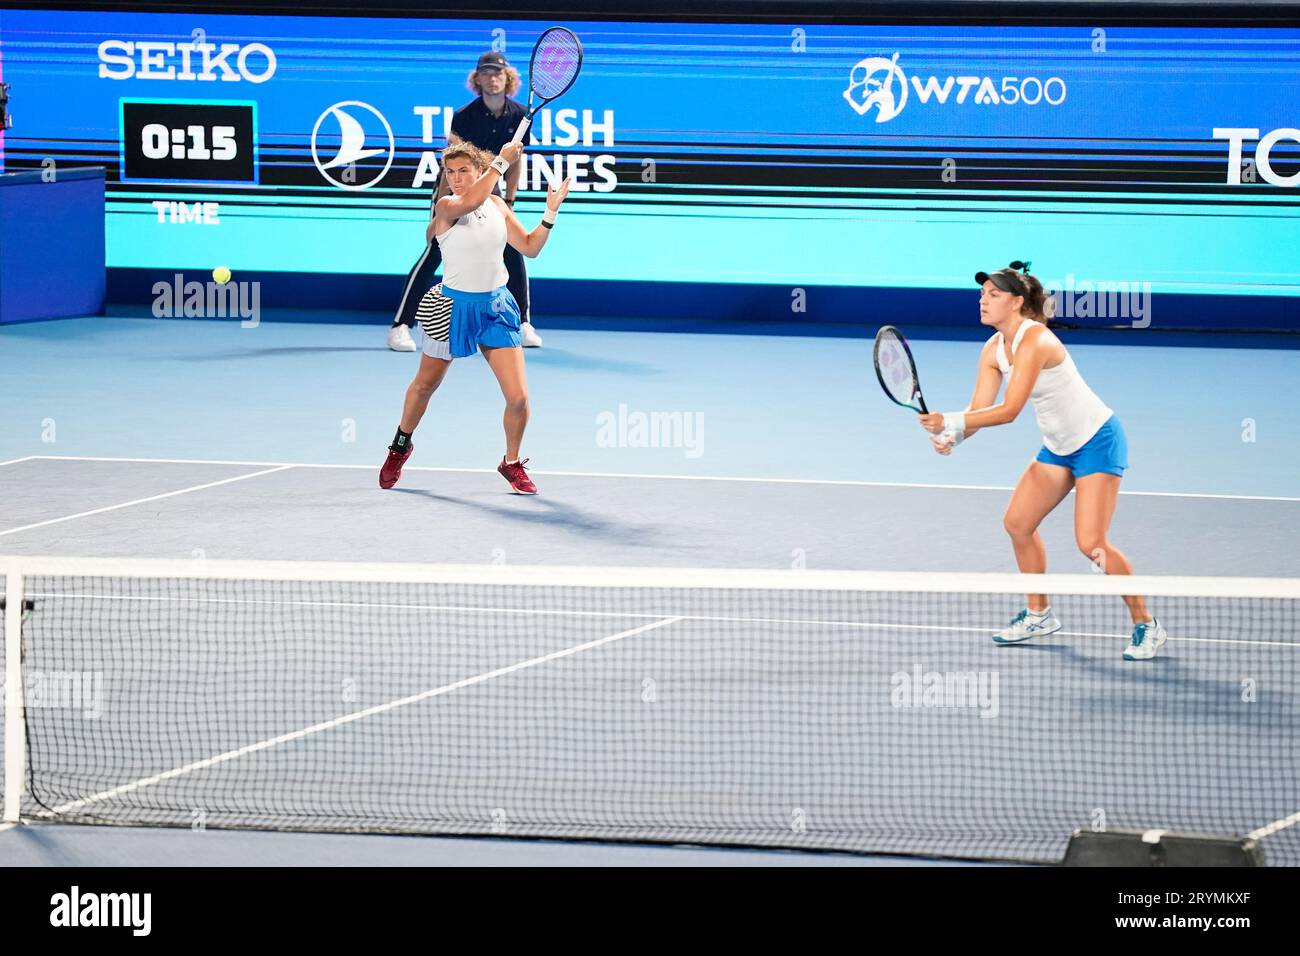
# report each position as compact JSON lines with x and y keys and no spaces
{"x":194,"y":441}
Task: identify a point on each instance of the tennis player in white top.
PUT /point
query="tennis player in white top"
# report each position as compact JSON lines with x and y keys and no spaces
{"x":1084,"y":446}
{"x":472,"y":309}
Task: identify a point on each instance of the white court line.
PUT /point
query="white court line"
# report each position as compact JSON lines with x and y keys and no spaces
{"x":1181,"y":639}
{"x":349,"y":718}
{"x":799,"y":622}
{"x":14,"y":461}
{"x":140,"y":501}
{"x":602,"y":474}
{"x":1271,"y":828}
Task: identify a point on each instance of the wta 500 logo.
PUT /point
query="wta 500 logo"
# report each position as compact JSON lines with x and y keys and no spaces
{"x":880,"y":84}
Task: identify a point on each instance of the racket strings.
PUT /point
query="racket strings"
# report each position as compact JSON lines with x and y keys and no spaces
{"x":897,"y":373}
{"x":555,"y":63}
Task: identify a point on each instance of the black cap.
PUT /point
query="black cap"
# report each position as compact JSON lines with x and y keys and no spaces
{"x":492,"y":60}
{"x":1008,"y":279}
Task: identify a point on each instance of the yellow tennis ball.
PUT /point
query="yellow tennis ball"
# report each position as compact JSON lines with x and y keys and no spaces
{"x":221,"y":274}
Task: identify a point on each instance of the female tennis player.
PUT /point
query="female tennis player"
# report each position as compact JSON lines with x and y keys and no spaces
{"x":1084,"y":446}
{"x":472,"y":309}
{"x":489,"y":122}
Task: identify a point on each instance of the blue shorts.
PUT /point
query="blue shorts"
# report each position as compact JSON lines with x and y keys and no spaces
{"x":456,"y":323}
{"x":1105,"y":452}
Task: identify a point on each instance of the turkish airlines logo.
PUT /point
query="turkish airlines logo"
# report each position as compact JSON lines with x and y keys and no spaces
{"x":344,"y":135}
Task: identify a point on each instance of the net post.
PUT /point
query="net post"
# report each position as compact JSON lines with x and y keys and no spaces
{"x":15,"y":743}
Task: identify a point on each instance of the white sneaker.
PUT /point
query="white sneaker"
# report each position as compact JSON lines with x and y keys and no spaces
{"x":528,"y":334}
{"x":1028,"y":624}
{"x":1147,"y":639}
{"x":399,"y":339}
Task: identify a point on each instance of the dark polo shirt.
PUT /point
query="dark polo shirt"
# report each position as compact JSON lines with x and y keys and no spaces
{"x":474,"y":123}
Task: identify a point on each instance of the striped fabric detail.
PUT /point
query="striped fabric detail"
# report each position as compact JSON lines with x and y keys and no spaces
{"x":434,"y":314}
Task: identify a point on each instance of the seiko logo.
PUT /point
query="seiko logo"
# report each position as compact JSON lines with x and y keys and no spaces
{"x":196,"y":60}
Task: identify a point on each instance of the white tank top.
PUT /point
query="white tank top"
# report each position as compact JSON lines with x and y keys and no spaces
{"x":1069,"y":412}
{"x":472,"y":249}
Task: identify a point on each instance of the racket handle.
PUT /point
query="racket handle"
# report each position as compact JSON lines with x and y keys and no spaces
{"x":522,"y":130}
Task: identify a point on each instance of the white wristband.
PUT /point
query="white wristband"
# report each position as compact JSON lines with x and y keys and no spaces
{"x":549,"y":215}
{"x":500,"y":165}
{"x":954,"y":424}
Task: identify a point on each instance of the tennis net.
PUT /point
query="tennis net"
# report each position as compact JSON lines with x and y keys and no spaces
{"x":854,"y":711}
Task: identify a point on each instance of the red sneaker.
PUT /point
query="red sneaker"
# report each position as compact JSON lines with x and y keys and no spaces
{"x":518,"y":478}
{"x":392,"y":469}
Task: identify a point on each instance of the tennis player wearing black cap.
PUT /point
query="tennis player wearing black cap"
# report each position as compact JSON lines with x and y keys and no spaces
{"x":489,"y":122}
{"x":1084,"y":446}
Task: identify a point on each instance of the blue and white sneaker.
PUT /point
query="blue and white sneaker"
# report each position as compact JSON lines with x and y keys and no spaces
{"x":1028,"y":624}
{"x":1147,"y":639}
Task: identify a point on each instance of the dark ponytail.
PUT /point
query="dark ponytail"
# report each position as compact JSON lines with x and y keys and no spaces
{"x":1038,"y":304}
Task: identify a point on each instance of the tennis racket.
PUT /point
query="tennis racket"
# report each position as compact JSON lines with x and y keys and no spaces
{"x":557,"y":58}
{"x":897,"y":370}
